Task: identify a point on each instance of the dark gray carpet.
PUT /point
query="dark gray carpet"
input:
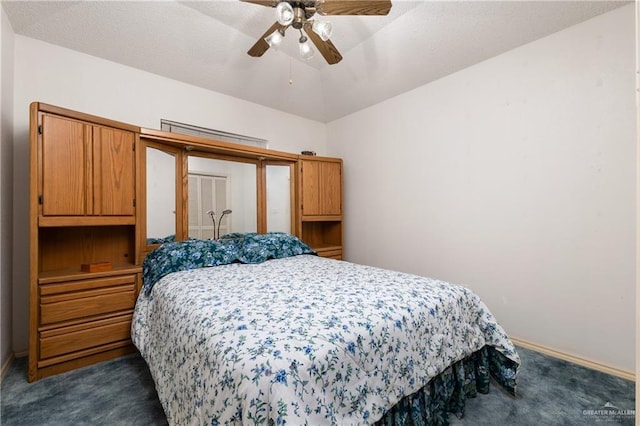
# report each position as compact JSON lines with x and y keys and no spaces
{"x":121,"y":392}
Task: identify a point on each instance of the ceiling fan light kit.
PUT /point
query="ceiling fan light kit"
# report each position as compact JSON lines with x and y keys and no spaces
{"x":299,"y":13}
{"x":275,"y":38}
{"x":323,"y":29}
{"x":284,"y":13}
{"x":306,"y":51}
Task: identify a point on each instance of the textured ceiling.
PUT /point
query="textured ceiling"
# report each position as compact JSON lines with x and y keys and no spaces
{"x":204,"y":43}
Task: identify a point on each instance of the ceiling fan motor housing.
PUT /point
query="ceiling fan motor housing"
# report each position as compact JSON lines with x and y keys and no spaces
{"x":298,"y":18}
{"x":302,"y":11}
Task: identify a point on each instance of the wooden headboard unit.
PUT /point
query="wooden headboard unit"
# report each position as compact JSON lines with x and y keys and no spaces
{"x":88,"y":221}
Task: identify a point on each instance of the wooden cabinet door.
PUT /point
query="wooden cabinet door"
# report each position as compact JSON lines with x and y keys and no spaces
{"x":321,"y":188}
{"x":114,"y":172}
{"x":310,"y":172}
{"x":86,"y":169}
{"x":64,"y":160}
{"x":330,"y":188}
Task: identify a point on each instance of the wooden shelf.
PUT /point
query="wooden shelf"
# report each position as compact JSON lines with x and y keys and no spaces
{"x":324,"y":247}
{"x":74,"y":274}
{"x":325,"y":218}
{"x":331,"y":251}
{"x":56,"y":221}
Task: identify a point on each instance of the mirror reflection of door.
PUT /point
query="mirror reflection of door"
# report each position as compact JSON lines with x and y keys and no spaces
{"x":218,"y":185}
{"x":208,"y":194}
{"x":278,"y":198}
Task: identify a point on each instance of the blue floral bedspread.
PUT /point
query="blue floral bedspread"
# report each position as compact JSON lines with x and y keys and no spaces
{"x":303,"y":340}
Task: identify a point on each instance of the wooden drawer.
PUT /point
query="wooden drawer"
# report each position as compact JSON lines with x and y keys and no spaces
{"x":63,"y":340}
{"x":330,"y":253}
{"x":86,"y":298}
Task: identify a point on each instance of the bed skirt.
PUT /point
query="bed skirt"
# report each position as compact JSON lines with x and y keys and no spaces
{"x":447,"y":392}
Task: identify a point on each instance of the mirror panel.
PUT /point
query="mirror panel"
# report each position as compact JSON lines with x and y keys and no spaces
{"x":222,"y":197}
{"x":278,"y":198}
{"x":161,"y":195}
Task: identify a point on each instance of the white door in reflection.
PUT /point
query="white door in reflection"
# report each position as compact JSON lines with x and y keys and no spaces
{"x":278,"y":198}
{"x":208,"y":193}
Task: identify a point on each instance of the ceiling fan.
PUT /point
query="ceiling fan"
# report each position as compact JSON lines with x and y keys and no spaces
{"x":298,"y":14}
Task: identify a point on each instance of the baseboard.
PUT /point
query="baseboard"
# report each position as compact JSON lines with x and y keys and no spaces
{"x":627,"y":375}
{"x":6,"y":364}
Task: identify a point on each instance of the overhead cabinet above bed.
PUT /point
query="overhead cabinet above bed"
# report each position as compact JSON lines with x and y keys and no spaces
{"x":92,"y":207}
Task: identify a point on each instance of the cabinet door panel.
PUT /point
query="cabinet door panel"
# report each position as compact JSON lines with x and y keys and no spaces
{"x":321,"y":188}
{"x":114,"y":172}
{"x":311,"y":188}
{"x":64,"y":161}
{"x":331,"y":189}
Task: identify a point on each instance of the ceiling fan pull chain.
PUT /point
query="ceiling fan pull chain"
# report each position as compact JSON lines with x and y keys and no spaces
{"x":290,"y":72}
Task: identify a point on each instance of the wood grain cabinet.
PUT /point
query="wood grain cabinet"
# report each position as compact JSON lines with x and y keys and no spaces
{"x":82,"y":213}
{"x":86,"y":170}
{"x":320,"y":196}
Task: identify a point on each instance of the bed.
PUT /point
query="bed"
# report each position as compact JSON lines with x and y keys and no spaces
{"x":257,"y":329}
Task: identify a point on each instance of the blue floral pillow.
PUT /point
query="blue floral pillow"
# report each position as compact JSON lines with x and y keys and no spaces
{"x":190,"y":254}
{"x":161,"y":240}
{"x":235,"y":247}
{"x":257,"y":248}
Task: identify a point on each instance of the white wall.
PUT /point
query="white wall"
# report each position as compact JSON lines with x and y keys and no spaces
{"x":161,"y":203}
{"x":516,"y":178}
{"x":62,"y":77}
{"x":637,"y":204}
{"x":6,"y":184}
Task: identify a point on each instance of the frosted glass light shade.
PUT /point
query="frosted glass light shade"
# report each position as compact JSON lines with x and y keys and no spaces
{"x":274,"y":39}
{"x":284,"y":13}
{"x":306,"y":51}
{"x":323,"y":29}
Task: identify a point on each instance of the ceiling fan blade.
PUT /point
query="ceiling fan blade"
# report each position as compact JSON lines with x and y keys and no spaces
{"x":353,"y":7}
{"x":261,"y":45}
{"x":326,"y":48}
{"x":268,"y":3}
